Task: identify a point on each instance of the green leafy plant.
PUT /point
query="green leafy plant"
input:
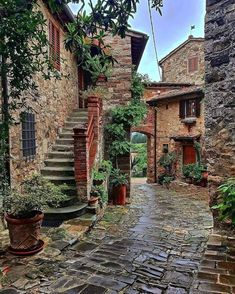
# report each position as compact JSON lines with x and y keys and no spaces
{"x":167,"y":180}
{"x":118,"y":178}
{"x":105,"y":166}
{"x":188,"y":170}
{"x":35,"y":194}
{"x":100,"y":191}
{"x":167,"y":161}
{"x":139,"y":164}
{"x":98,"y":175}
{"x":227,"y":197}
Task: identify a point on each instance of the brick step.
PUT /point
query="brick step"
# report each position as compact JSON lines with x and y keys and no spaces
{"x":67,"y":171}
{"x":65,"y":141}
{"x":62,"y":148}
{"x":57,"y":162}
{"x":61,"y":180}
{"x":60,"y":154}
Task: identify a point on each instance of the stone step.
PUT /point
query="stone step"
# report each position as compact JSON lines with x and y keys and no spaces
{"x":60,"y":154}
{"x":62,"y":148}
{"x":57,"y":162}
{"x":55,"y":216}
{"x":73,"y":124}
{"x":67,"y":171}
{"x":68,"y":180}
{"x":66,"y":135}
{"x":65,"y":141}
{"x":78,"y":118}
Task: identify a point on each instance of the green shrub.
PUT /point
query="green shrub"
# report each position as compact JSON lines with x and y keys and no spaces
{"x":227,"y":197}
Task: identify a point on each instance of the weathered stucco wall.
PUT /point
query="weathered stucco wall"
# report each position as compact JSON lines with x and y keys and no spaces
{"x":169,"y":125}
{"x":175,"y":67}
{"x":220,"y":91}
{"x":52,"y":103}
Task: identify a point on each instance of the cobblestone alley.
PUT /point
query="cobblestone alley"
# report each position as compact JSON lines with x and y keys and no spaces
{"x":152,"y":246}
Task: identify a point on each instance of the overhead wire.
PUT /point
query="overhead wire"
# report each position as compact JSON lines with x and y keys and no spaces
{"x":154,"y":38}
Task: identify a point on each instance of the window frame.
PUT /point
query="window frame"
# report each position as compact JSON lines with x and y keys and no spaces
{"x":54,"y":44}
{"x":184,"y":108}
{"x":28,"y":135}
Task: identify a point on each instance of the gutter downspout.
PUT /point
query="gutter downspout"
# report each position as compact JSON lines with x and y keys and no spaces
{"x":155,"y":145}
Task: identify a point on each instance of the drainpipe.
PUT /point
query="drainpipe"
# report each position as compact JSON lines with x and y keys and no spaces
{"x":155,"y":145}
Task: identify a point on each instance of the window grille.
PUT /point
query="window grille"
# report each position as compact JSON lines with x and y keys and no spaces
{"x":28,"y":135}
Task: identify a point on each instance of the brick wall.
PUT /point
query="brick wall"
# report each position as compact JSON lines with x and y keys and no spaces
{"x":175,"y":67}
{"x":52,"y":103}
{"x":118,"y":86}
{"x":169,"y":125}
{"x":219,"y":96}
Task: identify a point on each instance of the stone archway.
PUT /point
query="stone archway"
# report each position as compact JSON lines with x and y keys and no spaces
{"x":148,"y":128}
{"x":150,"y":154}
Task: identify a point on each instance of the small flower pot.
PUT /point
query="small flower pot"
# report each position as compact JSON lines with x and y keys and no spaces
{"x":93,"y":201}
{"x":119,"y":195}
{"x":205,"y":174}
{"x":24,"y":234}
{"x":102,"y":79}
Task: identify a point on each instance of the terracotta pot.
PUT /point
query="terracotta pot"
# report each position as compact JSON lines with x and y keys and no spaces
{"x":93,"y":201}
{"x":119,"y":195}
{"x":205,"y":174}
{"x":24,"y":232}
{"x":102,"y":78}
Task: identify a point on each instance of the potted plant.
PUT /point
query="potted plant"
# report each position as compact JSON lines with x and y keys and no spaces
{"x":98,"y":177}
{"x":187,"y":171}
{"x":23,"y":207}
{"x":119,"y":182}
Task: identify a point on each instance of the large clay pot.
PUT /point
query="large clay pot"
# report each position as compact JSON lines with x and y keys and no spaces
{"x":24,"y":232}
{"x":119,"y":195}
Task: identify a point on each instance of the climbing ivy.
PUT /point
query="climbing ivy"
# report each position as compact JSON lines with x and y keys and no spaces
{"x":125,"y":117}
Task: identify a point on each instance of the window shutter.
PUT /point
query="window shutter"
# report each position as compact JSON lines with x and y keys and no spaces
{"x":181,"y":110}
{"x":54,"y":40}
{"x":198,"y":107}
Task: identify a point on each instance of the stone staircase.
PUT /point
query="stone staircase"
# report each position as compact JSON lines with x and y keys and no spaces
{"x":59,"y":167}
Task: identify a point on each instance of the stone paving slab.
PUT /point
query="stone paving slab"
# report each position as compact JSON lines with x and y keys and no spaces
{"x":153,"y":245}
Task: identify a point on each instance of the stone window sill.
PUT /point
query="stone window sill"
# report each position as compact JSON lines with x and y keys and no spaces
{"x":189,"y":120}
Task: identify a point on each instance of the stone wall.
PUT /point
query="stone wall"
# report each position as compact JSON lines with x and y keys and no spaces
{"x":220,"y":91}
{"x":169,"y":125}
{"x":52,"y":103}
{"x":175,"y":67}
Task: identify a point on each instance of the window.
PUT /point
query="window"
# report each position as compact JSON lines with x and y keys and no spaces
{"x":193,"y":64}
{"x":190,"y":108}
{"x":28,"y":135}
{"x":165,"y":148}
{"x":54,"y":41}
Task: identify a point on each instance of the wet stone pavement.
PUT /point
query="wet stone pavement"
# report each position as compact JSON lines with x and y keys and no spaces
{"x":154,"y":245}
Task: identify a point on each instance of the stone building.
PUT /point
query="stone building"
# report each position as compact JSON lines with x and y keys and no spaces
{"x":185,"y":64}
{"x":219,"y":92}
{"x":59,"y":136}
{"x":177,"y":104}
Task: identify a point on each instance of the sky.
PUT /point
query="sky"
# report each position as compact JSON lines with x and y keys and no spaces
{"x":171,"y":29}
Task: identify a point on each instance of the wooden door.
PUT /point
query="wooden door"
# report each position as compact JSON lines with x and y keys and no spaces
{"x":189,"y":154}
